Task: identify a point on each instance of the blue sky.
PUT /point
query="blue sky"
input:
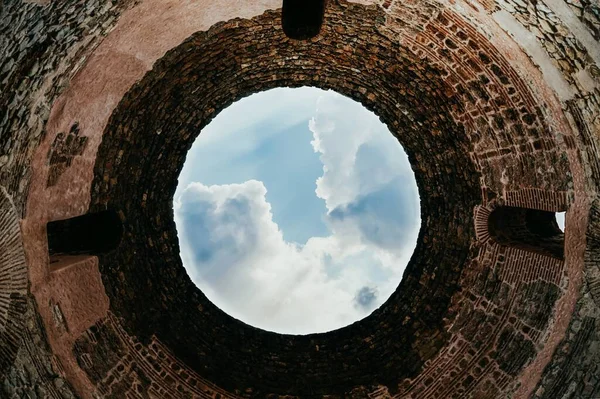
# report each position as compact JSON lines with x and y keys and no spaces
{"x":285,"y":162}
{"x":560,"y":220}
{"x":297,"y":211}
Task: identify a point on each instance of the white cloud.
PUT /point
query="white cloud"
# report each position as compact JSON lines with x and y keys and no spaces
{"x":237,"y":256}
{"x":358,"y":153}
{"x":241,"y":262}
{"x":222,"y":134}
{"x":367,"y":183}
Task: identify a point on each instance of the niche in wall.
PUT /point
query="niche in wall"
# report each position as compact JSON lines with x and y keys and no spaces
{"x":529,"y":229}
{"x":89,"y":234}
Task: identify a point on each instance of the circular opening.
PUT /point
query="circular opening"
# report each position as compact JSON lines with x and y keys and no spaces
{"x":297,"y":211}
{"x":154,"y":126}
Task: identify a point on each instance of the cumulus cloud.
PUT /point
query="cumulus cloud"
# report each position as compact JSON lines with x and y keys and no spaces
{"x":236,"y":254}
{"x":384,"y":217}
{"x":239,"y":129}
{"x":366,"y":297}
{"x":367,"y":183}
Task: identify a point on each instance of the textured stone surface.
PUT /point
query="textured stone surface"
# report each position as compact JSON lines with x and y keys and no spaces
{"x":13,"y":282}
{"x":41,"y":47}
{"x":64,"y":148}
{"x":496,"y":103}
{"x":575,"y":368}
{"x":35,"y":372}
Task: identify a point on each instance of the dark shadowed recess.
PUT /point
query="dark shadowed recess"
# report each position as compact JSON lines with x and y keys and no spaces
{"x":529,"y":229}
{"x":147,"y":140}
{"x":302,"y":19}
{"x":93,"y":234}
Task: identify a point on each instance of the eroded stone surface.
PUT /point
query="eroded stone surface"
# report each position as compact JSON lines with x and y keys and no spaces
{"x":496,"y":103}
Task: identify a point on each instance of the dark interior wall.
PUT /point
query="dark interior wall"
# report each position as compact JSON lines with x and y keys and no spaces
{"x":182,"y":93}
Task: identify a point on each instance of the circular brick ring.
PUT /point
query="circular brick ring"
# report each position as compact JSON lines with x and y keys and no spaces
{"x":439,"y":117}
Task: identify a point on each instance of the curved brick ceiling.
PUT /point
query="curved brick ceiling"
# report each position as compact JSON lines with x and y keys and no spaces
{"x":495,"y":102}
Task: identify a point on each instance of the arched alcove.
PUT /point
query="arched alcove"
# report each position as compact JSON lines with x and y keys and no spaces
{"x":302,"y":19}
{"x":90,"y":234}
{"x":529,"y":229}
